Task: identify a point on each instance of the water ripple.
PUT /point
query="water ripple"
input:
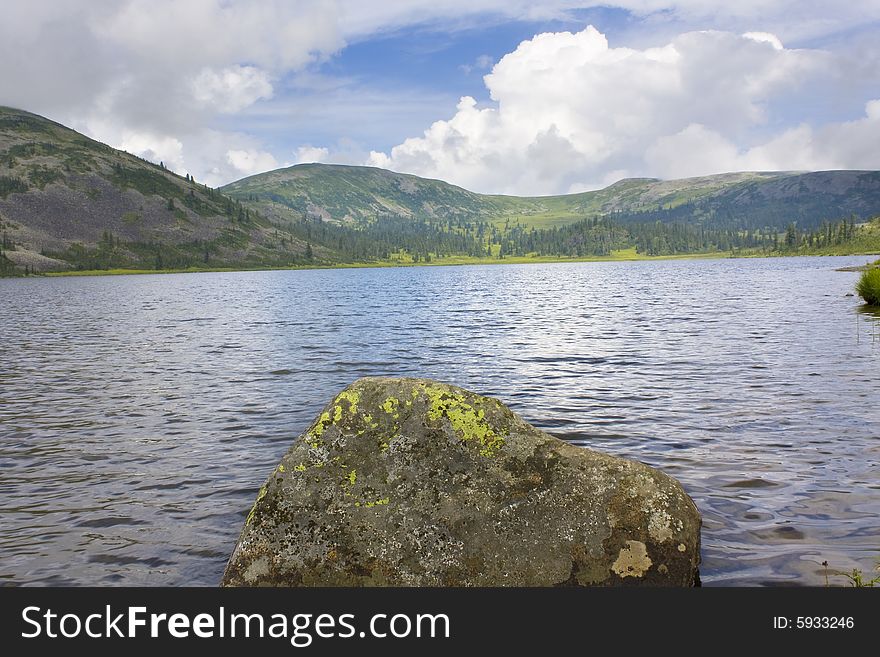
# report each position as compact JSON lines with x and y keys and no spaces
{"x":139,"y":415}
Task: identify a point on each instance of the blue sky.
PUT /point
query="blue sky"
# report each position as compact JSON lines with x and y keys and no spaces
{"x":431,"y":66}
{"x":466,"y":91}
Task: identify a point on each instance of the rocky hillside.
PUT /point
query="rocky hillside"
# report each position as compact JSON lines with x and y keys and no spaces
{"x":69,"y":201}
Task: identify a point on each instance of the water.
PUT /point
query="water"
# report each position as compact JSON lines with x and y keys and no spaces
{"x":140,"y":414}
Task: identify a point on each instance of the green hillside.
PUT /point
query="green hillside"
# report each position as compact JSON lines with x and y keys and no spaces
{"x":349,"y":194}
{"x":67,"y":201}
{"x":748,"y":200}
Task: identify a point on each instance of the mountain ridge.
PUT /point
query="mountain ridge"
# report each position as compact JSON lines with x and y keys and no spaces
{"x":339,"y":193}
{"x":68,"y":201}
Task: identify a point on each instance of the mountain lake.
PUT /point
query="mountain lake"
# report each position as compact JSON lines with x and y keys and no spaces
{"x":139,"y":415}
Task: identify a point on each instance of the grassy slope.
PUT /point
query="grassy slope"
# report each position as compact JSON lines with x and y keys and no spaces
{"x":629,"y":195}
{"x":349,"y":194}
{"x":866,"y":240}
{"x":62,"y":193}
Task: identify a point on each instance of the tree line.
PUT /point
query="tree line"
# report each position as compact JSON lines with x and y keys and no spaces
{"x":424,"y":239}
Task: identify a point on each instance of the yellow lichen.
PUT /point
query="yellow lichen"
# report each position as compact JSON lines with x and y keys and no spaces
{"x":390,"y":405}
{"x":300,"y":468}
{"x":468,"y":422}
{"x":352,"y":397}
{"x":633,"y":560}
{"x":323,"y":422}
{"x":260,"y":496}
{"x":281,"y":467}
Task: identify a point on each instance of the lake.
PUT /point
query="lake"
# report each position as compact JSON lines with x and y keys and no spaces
{"x":139,"y":415}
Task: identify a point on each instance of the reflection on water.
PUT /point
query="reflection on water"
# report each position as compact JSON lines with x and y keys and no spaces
{"x":139,"y":415}
{"x":870,"y":329}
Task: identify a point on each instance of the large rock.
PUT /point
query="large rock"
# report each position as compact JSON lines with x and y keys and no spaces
{"x":410,"y":482}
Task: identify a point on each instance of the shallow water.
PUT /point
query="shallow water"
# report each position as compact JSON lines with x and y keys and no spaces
{"x":140,"y":414}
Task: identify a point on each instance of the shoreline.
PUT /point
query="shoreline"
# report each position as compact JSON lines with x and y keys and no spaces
{"x":443,"y":262}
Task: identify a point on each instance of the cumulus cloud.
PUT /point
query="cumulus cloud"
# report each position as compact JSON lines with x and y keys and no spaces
{"x":156,"y":77}
{"x":156,"y":148}
{"x":569,"y":111}
{"x":697,"y":150}
{"x":231,"y":89}
{"x":195,"y":53}
{"x":307,"y":154}
{"x":252,"y":161}
{"x":765,"y":37}
{"x":181,"y":73}
{"x":847,"y":145}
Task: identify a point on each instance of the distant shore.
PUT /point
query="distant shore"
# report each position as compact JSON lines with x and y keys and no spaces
{"x":627,"y":255}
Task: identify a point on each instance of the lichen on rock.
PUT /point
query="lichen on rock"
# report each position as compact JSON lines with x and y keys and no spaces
{"x":411,"y":482}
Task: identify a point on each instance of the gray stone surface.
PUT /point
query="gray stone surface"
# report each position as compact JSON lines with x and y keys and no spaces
{"x":410,"y":482}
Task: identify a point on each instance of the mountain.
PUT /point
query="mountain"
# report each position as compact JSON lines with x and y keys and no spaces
{"x":350,"y":194}
{"x":69,"y":201}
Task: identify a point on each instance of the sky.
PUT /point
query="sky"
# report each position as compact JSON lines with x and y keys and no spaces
{"x":497,"y":96}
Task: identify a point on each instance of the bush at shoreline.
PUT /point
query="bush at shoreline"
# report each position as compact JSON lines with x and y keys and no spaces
{"x":868,"y":286}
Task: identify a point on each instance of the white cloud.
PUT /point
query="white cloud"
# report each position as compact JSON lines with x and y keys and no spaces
{"x":156,"y":77}
{"x":694,"y":151}
{"x":847,"y":145}
{"x":484,"y":62}
{"x":378,"y":159}
{"x":481,"y":63}
{"x":765,"y":37}
{"x":307,"y":154}
{"x":153,"y":146}
{"x":250,"y":162}
{"x":273,"y":34}
{"x":790,"y":20}
{"x":187,"y":72}
{"x":156,"y":148}
{"x":570,"y":111}
{"x":231,"y":89}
